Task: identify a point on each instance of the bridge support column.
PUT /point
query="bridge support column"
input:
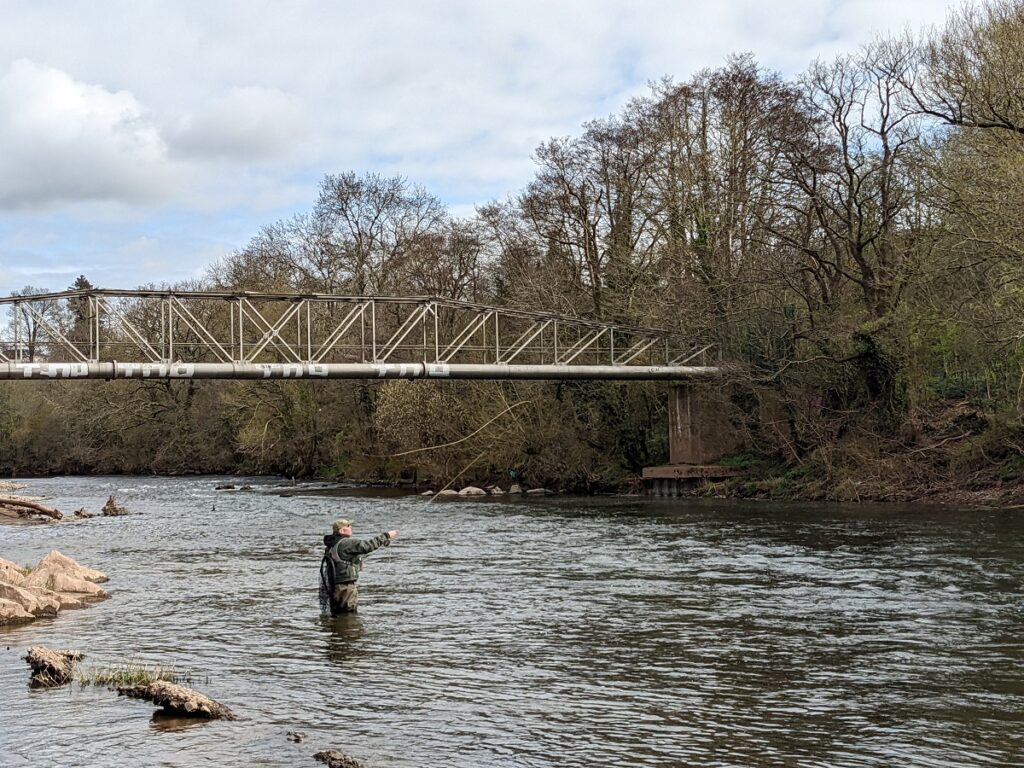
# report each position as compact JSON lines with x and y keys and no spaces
{"x":698,"y":431}
{"x":699,"y":434}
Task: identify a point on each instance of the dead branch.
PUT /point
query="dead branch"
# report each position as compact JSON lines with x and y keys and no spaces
{"x":35,"y":507}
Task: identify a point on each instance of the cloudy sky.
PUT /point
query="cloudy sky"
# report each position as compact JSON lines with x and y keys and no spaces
{"x":140,"y":141}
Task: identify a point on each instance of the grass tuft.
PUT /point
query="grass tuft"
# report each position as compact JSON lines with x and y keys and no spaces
{"x":127,"y":673}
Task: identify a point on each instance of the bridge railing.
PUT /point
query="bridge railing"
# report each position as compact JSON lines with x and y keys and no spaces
{"x":247,"y":328}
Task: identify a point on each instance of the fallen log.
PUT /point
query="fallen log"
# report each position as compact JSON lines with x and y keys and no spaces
{"x":178,"y":700}
{"x":36,"y":507}
{"x":50,"y":668}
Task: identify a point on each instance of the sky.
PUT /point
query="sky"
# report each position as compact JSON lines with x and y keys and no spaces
{"x":141,"y":141}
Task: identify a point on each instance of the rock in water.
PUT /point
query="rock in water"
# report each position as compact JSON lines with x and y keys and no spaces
{"x":38,"y":603}
{"x":55,"y":561}
{"x":178,"y":700}
{"x":336,"y":759}
{"x":472,"y":490}
{"x":113,"y":509}
{"x":11,"y":573}
{"x":51,"y":668}
{"x":13,"y":613}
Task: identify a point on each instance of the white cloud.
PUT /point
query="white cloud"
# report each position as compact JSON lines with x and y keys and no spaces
{"x":64,"y":140}
{"x":245,"y":123}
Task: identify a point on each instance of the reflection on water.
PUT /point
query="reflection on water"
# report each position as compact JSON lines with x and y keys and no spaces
{"x":570,"y":632}
{"x":342,"y":635}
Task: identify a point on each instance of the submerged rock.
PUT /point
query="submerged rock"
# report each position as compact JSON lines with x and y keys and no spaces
{"x":178,"y":700}
{"x":335,"y":759}
{"x":51,"y":668}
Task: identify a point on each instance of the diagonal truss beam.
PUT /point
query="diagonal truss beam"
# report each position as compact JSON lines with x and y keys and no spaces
{"x":463,"y":337}
{"x":270,"y":330}
{"x":414,"y":319}
{"x":199,"y":329}
{"x":247,"y":328}
{"x":131,"y":331}
{"x":357,"y":312}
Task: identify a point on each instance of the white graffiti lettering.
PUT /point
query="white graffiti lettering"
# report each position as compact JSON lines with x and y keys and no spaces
{"x":292,"y":370}
{"x":54,"y":370}
{"x":157,"y":370}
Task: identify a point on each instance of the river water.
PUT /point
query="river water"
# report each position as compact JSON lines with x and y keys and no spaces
{"x":532,"y":632}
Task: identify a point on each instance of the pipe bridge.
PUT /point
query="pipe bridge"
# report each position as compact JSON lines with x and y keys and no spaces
{"x":169,"y":334}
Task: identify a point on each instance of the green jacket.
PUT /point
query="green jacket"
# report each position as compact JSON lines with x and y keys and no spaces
{"x":345,"y":555}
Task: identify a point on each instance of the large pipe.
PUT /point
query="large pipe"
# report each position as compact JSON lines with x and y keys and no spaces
{"x":493,"y":371}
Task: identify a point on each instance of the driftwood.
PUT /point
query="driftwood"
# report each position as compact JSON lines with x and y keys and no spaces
{"x":178,"y":700}
{"x":51,"y":668}
{"x":113,"y":509}
{"x":335,"y":759}
{"x":35,"y":507}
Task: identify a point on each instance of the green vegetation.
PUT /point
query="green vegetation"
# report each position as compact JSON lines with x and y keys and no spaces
{"x":852,"y":237}
{"x":126,"y":673}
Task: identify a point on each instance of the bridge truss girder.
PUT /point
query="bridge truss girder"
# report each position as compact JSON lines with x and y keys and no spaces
{"x":104,"y":333}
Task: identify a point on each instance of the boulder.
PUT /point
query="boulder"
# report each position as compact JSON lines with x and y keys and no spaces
{"x":514,"y":489}
{"x":12,"y":613}
{"x":427,"y":493}
{"x":178,"y":700}
{"x":67,"y":600}
{"x":448,"y":492}
{"x":55,"y":561}
{"x":538,"y":492}
{"x":472,"y":490}
{"x":57,"y":581}
{"x":11,"y":573}
{"x":36,"y":603}
{"x":51,"y":667}
{"x":496,"y":491}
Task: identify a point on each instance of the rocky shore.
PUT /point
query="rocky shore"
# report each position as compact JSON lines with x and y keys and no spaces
{"x":55,"y":583}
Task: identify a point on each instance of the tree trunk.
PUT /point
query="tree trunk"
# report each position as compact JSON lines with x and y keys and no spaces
{"x":37,"y":508}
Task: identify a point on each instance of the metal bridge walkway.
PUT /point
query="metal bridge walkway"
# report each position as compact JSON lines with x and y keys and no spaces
{"x":168,"y":334}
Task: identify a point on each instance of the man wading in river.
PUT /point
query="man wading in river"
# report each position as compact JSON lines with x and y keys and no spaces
{"x":343,"y":559}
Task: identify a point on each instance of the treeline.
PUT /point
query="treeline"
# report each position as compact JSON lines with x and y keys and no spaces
{"x":852,"y":237}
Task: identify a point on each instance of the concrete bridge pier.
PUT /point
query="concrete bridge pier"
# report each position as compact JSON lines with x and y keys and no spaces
{"x":699,"y":435}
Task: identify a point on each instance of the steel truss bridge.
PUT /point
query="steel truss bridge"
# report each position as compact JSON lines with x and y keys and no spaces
{"x":165,"y":334}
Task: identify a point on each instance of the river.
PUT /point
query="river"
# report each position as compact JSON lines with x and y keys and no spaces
{"x":532,"y":632}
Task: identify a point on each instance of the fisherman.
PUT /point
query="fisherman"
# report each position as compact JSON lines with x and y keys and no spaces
{"x":343,"y":559}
